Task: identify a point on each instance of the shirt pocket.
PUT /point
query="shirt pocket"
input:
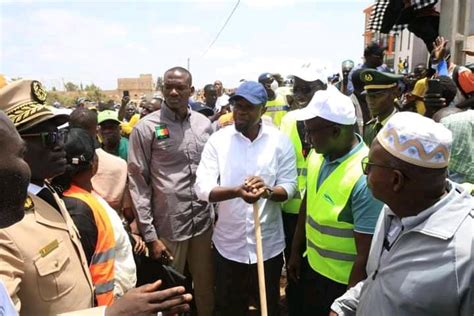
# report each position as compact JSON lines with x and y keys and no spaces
{"x":55,"y":278}
{"x":166,"y":150}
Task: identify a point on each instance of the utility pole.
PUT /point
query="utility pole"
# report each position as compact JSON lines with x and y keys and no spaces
{"x":189,"y":63}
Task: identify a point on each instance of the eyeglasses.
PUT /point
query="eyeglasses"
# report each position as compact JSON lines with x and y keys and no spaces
{"x":49,"y":139}
{"x":366,"y":165}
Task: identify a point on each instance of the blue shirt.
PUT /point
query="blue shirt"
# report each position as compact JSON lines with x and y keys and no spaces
{"x":362,"y":209}
{"x":6,"y":305}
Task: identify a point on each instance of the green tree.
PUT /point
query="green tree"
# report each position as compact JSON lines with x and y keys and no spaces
{"x":69,"y":86}
{"x":65,"y":100}
{"x":94,"y":93}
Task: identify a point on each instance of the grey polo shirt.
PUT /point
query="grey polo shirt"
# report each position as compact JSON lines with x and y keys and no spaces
{"x":164,"y":153}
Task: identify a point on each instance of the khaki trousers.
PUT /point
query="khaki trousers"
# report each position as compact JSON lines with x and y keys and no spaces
{"x":197,"y":252}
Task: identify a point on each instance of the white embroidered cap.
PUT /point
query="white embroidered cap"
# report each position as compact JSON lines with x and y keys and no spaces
{"x":417,"y":140}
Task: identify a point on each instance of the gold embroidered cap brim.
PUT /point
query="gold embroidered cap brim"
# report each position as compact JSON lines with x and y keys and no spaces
{"x":29,"y":114}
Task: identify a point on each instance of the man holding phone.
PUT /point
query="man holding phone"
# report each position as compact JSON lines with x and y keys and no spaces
{"x":165,"y":150}
{"x":381,"y":90}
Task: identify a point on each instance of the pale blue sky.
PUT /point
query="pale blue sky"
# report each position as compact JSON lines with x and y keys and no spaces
{"x":99,"y":41}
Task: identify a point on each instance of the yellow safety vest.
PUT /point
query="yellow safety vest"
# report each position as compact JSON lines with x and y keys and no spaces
{"x":289,"y":127}
{"x":330,"y":244}
{"x":277,"y":108}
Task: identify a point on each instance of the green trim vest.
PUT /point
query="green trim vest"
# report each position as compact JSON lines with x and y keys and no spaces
{"x":330,"y":247}
{"x":277,"y":108}
{"x":289,"y":127}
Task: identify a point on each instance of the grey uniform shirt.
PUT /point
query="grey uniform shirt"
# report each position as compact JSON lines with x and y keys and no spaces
{"x":423,"y":268}
{"x":164,"y":153}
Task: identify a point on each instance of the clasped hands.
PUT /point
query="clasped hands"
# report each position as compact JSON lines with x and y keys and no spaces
{"x":253,"y":189}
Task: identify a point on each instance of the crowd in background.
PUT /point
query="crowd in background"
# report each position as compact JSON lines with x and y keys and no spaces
{"x":122,"y":195}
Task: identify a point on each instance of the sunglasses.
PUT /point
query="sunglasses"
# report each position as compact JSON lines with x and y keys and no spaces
{"x":49,"y":139}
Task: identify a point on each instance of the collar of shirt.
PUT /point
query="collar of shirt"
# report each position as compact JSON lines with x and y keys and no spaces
{"x":168,"y":113}
{"x":438,"y":220}
{"x":352,"y":151}
{"x":35,"y":189}
{"x":386,"y":119}
{"x":261,"y":131}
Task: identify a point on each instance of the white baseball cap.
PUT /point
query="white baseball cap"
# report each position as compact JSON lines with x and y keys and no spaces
{"x":330,"y":105}
{"x":311,"y":71}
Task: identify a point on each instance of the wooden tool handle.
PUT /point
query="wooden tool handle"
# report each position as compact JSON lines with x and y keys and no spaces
{"x":260,"y":267}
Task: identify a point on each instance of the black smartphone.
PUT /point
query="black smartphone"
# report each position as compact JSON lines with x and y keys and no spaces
{"x":126,"y":93}
{"x":149,"y":270}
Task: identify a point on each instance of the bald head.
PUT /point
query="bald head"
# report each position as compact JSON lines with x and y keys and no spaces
{"x":445,"y":112}
{"x":219,"y":87}
{"x":85,"y":119}
{"x":180,"y":71}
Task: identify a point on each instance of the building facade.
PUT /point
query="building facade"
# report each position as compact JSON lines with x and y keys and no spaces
{"x":144,"y":85}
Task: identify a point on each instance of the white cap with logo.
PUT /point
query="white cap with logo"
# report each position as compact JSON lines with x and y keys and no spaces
{"x":330,"y":105}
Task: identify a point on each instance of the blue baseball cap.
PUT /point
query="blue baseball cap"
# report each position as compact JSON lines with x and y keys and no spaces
{"x":251,"y":91}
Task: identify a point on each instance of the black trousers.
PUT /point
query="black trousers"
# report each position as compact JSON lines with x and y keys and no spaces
{"x":235,"y":282}
{"x":294,"y":291}
{"x":319,"y":292}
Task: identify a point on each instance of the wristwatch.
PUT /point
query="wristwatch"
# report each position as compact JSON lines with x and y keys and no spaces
{"x":268,"y":193}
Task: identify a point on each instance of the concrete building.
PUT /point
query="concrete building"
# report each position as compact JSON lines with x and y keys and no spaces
{"x":137,"y":87}
{"x":387,"y":40}
{"x":456,"y":24}
{"x":410,"y":47}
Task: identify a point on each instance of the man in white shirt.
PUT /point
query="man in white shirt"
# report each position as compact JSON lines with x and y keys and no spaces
{"x":240,"y":165}
{"x":222,"y":97}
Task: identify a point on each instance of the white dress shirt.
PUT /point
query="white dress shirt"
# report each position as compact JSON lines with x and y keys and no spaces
{"x":227,"y":160}
{"x":35,"y":189}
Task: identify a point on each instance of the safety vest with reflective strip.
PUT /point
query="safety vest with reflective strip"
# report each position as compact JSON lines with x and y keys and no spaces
{"x":103,"y":259}
{"x":277,"y":108}
{"x":330,"y":247}
{"x":289,"y":127}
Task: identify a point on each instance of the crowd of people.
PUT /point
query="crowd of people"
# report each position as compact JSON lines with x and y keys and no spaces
{"x":362,"y":183}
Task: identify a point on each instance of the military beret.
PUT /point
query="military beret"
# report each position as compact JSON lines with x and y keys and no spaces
{"x":374,"y":79}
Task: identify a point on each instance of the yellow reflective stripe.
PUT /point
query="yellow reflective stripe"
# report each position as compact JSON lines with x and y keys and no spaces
{"x":333,"y":231}
{"x":278,"y":108}
{"x":331,"y":254}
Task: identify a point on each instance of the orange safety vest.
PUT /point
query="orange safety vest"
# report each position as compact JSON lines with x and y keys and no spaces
{"x":102,"y":263}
